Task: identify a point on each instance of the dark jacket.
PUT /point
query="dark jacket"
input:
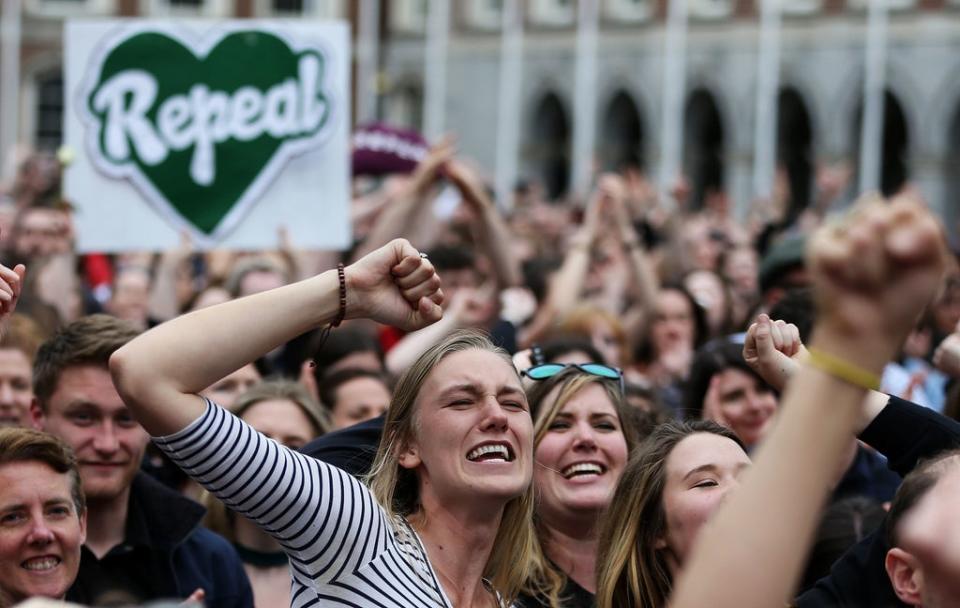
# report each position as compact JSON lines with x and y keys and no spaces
{"x":905,"y":433}
{"x":869,"y":476}
{"x":166,"y":553}
{"x":351,"y":449}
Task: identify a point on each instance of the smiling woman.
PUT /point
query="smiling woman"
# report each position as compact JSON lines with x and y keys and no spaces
{"x":668,"y":490}
{"x":446,"y":521}
{"x":722,"y":387}
{"x":582,"y":435}
{"x":42,"y":516}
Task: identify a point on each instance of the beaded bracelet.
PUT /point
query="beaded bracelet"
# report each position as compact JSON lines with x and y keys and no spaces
{"x":325,"y":332}
{"x":342,"y":276}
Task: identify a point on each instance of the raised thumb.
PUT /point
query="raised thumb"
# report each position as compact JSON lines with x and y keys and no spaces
{"x":764,"y":336}
{"x":429,"y":311}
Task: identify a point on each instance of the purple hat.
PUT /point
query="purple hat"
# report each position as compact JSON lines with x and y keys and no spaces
{"x":379,"y":149}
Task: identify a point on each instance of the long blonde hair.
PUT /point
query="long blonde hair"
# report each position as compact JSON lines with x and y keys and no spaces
{"x":546,"y":580}
{"x":397,"y":491}
{"x":631,"y":570}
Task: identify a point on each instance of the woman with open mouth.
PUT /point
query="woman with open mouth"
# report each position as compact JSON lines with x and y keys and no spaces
{"x":446,"y":518}
{"x":582,"y":435}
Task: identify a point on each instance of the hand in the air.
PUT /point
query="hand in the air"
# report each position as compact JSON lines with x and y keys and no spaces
{"x":947,"y":355}
{"x":873,"y":273}
{"x":773,"y":349}
{"x":394,"y":285}
{"x":11,"y":284}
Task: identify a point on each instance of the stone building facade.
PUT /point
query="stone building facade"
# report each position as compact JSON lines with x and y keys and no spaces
{"x":821,"y":82}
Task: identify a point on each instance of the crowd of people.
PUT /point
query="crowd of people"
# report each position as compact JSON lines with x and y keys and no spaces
{"x":619,"y":402}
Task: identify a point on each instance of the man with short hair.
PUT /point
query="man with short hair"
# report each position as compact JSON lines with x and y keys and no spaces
{"x":913,"y":576}
{"x":41,"y":230}
{"x":43,"y":516}
{"x":144,"y":541}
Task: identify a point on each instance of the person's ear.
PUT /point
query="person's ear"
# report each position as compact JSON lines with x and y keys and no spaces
{"x":905,"y":576}
{"x":36,"y":414}
{"x":673,"y":564}
{"x":409,"y":456}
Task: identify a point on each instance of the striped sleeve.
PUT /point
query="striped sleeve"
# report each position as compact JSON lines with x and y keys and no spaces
{"x":327,"y":521}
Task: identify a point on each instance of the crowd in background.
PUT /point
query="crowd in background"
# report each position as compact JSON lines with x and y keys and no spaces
{"x":673,"y":295}
{"x":645,"y":281}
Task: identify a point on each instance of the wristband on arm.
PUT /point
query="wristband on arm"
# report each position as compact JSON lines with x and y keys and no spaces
{"x":843,"y":370}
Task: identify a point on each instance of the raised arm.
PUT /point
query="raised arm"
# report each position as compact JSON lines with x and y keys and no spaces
{"x":468,"y":307}
{"x":774,"y":350}
{"x":403,"y":213}
{"x":564,"y":289}
{"x":494,"y":234}
{"x":159,"y":373}
{"x":873,"y":274}
{"x":163,"y":289}
{"x":645,"y":282}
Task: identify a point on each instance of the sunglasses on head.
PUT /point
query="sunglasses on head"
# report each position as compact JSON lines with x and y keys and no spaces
{"x":545,"y":371}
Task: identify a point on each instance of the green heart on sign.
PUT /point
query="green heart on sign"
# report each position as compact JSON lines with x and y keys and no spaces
{"x":202,"y":133}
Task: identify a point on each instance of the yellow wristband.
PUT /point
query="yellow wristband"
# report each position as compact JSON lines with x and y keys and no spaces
{"x":843,"y":370}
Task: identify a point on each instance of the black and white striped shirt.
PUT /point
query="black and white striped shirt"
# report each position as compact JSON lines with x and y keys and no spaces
{"x":343,"y":548}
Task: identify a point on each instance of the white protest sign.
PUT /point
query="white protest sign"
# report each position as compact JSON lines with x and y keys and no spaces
{"x":226,"y":130}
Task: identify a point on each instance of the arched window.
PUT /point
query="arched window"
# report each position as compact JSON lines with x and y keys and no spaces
{"x":622,"y":141}
{"x":894,"y":166}
{"x":795,"y":148}
{"x":703,"y":146}
{"x":549,"y":149}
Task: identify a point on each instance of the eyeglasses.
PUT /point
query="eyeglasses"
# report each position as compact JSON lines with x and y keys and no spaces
{"x":545,"y":371}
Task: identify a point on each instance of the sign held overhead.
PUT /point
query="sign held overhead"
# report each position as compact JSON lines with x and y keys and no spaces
{"x":227,"y":131}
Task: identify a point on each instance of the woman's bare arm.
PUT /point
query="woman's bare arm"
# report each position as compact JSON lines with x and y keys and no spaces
{"x":873,"y":274}
{"x":158,"y":373}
